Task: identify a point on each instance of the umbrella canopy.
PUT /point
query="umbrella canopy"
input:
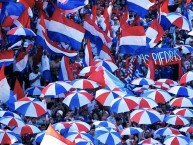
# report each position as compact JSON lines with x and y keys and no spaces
{"x":140,"y":89}
{"x":7,"y":137}
{"x":9,"y":113}
{"x":145,"y":116}
{"x":149,"y":141}
{"x":167,"y":131}
{"x":27,"y":129}
{"x":104,"y":124}
{"x":87,"y":71}
{"x":56,"y":88}
{"x":145,"y":102}
{"x":161,"y":85}
{"x":187,"y":77}
{"x":179,"y":20}
{"x":108,"y":64}
{"x":184,"y":112}
{"x":84,"y":84}
{"x":130,"y":131}
{"x":12,"y":121}
{"x":34,"y":91}
{"x":181,"y":91}
{"x":107,"y":136}
{"x":106,"y":95}
{"x":30,"y":107}
{"x":77,"y":98}
{"x":186,"y":49}
{"x":160,"y":96}
{"x":124,"y":104}
{"x":143,"y":81}
{"x":80,"y":141}
{"x":21,"y":31}
{"x":181,"y":102}
{"x":176,"y":140}
{"x":186,"y":129}
{"x":79,"y":126}
{"x":39,"y":137}
{"x":61,"y":125}
{"x":176,"y":120}
{"x":168,"y":81}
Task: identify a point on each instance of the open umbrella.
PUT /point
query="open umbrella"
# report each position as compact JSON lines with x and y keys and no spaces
{"x":176,"y":140}
{"x":186,"y":129}
{"x":80,"y":141}
{"x":143,"y":81}
{"x":12,"y":121}
{"x":187,"y":77}
{"x":87,"y":71}
{"x":176,"y":120}
{"x":9,"y":113}
{"x":39,"y":137}
{"x":166,"y":131}
{"x":145,"y":102}
{"x":61,"y":125}
{"x":108,"y":64}
{"x":169,"y":82}
{"x":161,"y":85}
{"x":7,"y":137}
{"x":181,"y":102}
{"x":84,"y":84}
{"x":149,"y":141}
{"x":21,"y":31}
{"x":181,"y":91}
{"x":104,"y":124}
{"x":183,"y":112}
{"x":186,"y":49}
{"x":79,"y":126}
{"x":27,"y":129}
{"x":130,"y":131}
{"x":34,"y":91}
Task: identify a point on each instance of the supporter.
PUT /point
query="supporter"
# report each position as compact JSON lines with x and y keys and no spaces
{"x":34,"y":77}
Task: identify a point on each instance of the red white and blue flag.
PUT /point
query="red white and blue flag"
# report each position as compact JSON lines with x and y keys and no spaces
{"x":6,"y":57}
{"x":88,"y":56}
{"x":105,"y":53}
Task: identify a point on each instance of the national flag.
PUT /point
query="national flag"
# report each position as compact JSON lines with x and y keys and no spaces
{"x":64,"y":71}
{"x":6,"y":57}
{"x":136,"y":21}
{"x":52,"y":136}
{"x":62,"y":29}
{"x":4,"y":86}
{"x":71,"y":6}
{"x":123,"y":19}
{"x":28,"y":7}
{"x":22,"y":60}
{"x":94,"y":11}
{"x":17,"y":44}
{"x":95,"y":34}
{"x":188,"y":2}
{"x":140,"y":7}
{"x":133,"y":41}
{"x":18,"y":91}
{"x":107,"y":16}
{"x":154,"y":34}
{"x":88,"y":56}
{"x":105,"y":53}
{"x":151,"y":67}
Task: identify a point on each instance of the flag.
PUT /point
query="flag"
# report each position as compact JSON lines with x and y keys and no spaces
{"x":88,"y":56}
{"x":107,"y":16}
{"x":140,"y":7}
{"x":133,"y":41}
{"x":21,"y":61}
{"x":94,"y":11}
{"x":123,"y":19}
{"x":6,"y":57}
{"x":151,"y":67}
{"x":105,"y":53}
{"x":4,"y":86}
{"x":154,"y":34}
{"x":52,"y":136}
{"x":18,"y":91}
{"x":64,"y":71}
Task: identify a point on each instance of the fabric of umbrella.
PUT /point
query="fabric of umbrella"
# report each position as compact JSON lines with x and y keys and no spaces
{"x":84,"y":84}
{"x":21,"y":31}
{"x":34,"y":91}
{"x":183,"y":112}
{"x":168,"y":81}
{"x":181,"y":91}
{"x":124,"y":104}
{"x":87,"y":71}
{"x":145,"y":102}
{"x":187,"y":77}
{"x":61,"y":125}
{"x":140,"y":89}
{"x":79,"y":126}
{"x":108,"y":64}
{"x":56,"y":88}
{"x":27,"y":129}
{"x":176,"y":120}
{"x":186,"y":129}
{"x":106,"y":95}
{"x":186,"y":49}
{"x":142,"y":81}
{"x":80,"y":141}
{"x":181,"y":102}
{"x":12,"y":121}
{"x":107,"y":136}
{"x":39,"y":137}
{"x":30,"y":107}
{"x":176,"y":140}
{"x":130,"y":131}
{"x":160,"y":96}
{"x":7,"y":137}
{"x":9,"y":113}
{"x":104,"y":124}
{"x":149,"y":141}
{"x":161,"y":85}
{"x":145,"y":116}
{"x":179,"y":20}
{"x":77,"y":98}
{"x":167,"y":131}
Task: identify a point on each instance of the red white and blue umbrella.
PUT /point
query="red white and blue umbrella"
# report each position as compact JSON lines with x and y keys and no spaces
{"x":161,"y":85}
{"x":168,"y":81}
{"x":166,"y":131}
{"x":34,"y":91}
{"x":61,"y":125}
{"x":145,"y":102}
{"x":187,"y":77}
{"x":75,"y":135}
{"x":176,"y":120}
{"x":39,"y":137}
{"x":30,"y":107}
{"x":104,"y":124}
{"x":80,"y":141}
{"x":183,"y":112}
{"x":179,"y":20}
{"x":84,"y":84}
{"x":9,"y":113}
{"x":107,"y":136}
{"x":27,"y":129}
{"x":12,"y":121}
{"x":143,"y":81}
{"x":145,"y":116}
{"x":106,"y":95}
{"x":130,"y":131}
{"x":149,"y":141}
{"x":21,"y":31}
{"x":186,"y":129}
{"x":181,"y":91}
{"x":108,"y":64}
{"x":77,"y":98}
{"x":176,"y":140}
{"x":186,"y":49}
{"x":56,"y":88}
{"x":7,"y":137}
{"x":87,"y":71}
{"x":160,"y":96}
{"x":140,"y":89}
{"x":124,"y":104}
{"x":79,"y":126}
{"x":181,"y":102}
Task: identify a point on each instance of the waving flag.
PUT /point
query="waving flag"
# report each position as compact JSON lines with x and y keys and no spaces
{"x":64,"y":70}
{"x":6,"y":57}
{"x":105,"y":53}
{"x":88,"y":57}
{"x":18,"y":91}
{"x":154,"y":34}
{"x":133,"y":41}
{"x":71,"y":6}
{"x":151,"y":66}
{"x":140,"y":7}
{"x":22,"y":60}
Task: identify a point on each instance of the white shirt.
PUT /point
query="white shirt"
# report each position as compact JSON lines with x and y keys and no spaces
{"x":45,"y":63}
{"x":33,"y":76}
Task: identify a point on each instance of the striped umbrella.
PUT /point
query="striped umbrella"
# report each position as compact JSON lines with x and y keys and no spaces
{"x":130,"y":131}
{"x":166,"y":131}
{"x":176,"y":140}
{"x":145,"y":102}
{"x":27,"y":129}
{"x":140,"y":89}
{"x":169,"y":82}
{"x":80,"y":141}
{"x":84,"y":84}
{"x":176,"y":120}
{"x":186,"y":129}
{"x":108,"y":64}
{"x":9,"y":113}
{"x":143,"y":81}
{"x":149,"y":141}
{"x":7,"y":137}
{"x":104,"y":124}
{"x":61,"y":125}
{"x":161,"y":85}
{"x":79,"y":126}
{"x":181,"y":91}
{"x":39,"y":137}
{"x":87,"y":71}
{"x":181,"y":102}
{"x":183,"y":112}
{"x":34,"y":91}
{"x":187,"y":77}
{"x":12,"y":121}
{"x":186,"y":49}
{"x":21,"y":31}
